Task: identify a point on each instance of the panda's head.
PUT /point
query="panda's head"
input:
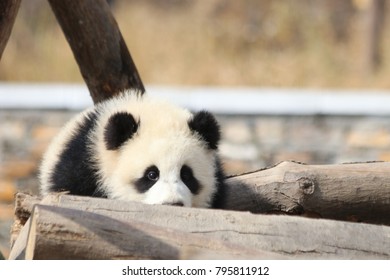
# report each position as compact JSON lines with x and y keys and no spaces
{"x":156,"y":153}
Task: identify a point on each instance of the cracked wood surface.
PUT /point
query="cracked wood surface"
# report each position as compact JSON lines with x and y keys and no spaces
{"x":258,"y":236}
{"x":65,"y":233}
{"x":357,"y":192}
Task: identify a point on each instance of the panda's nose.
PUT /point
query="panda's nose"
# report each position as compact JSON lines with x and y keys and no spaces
{"x":178,"y":203}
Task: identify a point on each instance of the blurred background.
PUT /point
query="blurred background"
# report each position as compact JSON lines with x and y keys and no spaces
{"x":282,"y":43}
{"x":337,"y":46}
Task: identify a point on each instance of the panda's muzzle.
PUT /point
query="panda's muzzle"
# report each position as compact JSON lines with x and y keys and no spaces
{"x":178,"y":203}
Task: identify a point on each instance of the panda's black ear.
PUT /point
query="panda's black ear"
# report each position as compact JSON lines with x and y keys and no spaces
{"x":205,"y":124}
{"x":120,"y":127}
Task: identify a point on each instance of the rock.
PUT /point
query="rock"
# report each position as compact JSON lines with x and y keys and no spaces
{"x":44,"y":133}
{"x":238,"y":151}
{"x":385,"y":156}
{"x":6,"y":211}
{"x":12,"y":130}
{"x":7,"y":191}
{"x":237,"y":132}
{"x":235,"y":167}
{"x":269,"y":131}
{"x":18,"y":168}
{"x":369,"y":139}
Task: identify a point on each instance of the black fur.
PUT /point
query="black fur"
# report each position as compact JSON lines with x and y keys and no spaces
{"x":187,"y":176}
{"x":119,"y":128}
{"x":75,"y":171}
{"x":205,"y":124}
{"x":146,"y":182}
{"x":207,"y":127}
{"x":219,"y":198}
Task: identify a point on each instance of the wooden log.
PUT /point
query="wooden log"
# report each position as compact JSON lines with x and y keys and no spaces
{"x":351,"y":192}
{"x":62,"y":233}
{"x":24,"y":204}
{"x":8,"y":11}
{"x":288,"y":236}
{"x":19,"y":241}
{"x":98,"y":46}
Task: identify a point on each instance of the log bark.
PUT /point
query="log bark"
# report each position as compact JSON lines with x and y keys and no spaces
{"x":357,"y":192}
{"x":98,"y":47}
{"x":285,"y":236}
{"x":8,"y":11}
{"x":24,"y":204}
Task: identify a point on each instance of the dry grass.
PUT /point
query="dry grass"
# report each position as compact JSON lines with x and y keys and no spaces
{"x":213,"y":42}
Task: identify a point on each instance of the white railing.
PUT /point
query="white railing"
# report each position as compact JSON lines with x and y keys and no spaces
{"x":235,"y":100}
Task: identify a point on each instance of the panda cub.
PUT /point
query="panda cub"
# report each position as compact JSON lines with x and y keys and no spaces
{"x":137,"y":148}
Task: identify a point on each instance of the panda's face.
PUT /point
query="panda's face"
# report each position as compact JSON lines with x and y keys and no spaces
{"x":174,"y":187}
{"x":174,"y":170}
{"x":161,"y":159}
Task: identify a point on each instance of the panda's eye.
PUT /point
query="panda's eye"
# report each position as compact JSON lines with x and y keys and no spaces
{"x":149,"y":178}
{"x":152,"y":175}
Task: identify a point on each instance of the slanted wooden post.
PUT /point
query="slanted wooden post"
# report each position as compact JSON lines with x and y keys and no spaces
{"x":8,"y":11}
{"x":375,"y":19}
{"x":98,"y":47}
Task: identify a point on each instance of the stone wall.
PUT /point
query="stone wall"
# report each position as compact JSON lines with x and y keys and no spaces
{"x":252,"y":142}
{"x":249,"y":143}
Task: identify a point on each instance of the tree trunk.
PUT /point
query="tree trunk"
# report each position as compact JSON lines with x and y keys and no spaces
{"x":8,"y":11}
{"x":85,"y":227}
{"x":98,"y":46}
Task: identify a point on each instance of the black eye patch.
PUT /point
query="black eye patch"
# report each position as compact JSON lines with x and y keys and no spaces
{"x":187,"y":176}
{"x":150,"y":177}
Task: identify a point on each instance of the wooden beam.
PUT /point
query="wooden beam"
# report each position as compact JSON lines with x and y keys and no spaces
{"x":8,"y":11}
{"x":98,"y":47}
